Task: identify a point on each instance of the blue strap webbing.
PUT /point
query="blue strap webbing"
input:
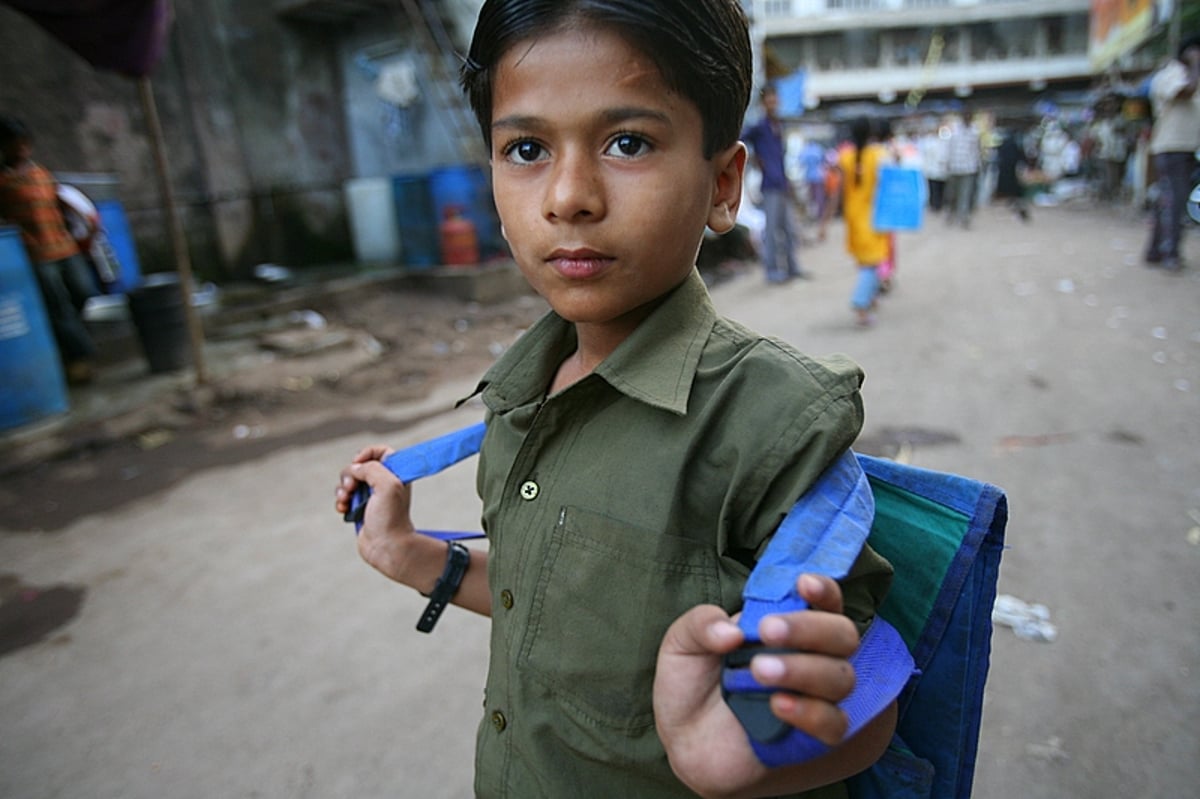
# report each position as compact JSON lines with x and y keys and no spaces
{"x":822,"y":534}
{"x":422,"y":460}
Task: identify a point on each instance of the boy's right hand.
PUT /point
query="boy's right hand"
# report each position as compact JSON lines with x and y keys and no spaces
{"x":387,"y":525}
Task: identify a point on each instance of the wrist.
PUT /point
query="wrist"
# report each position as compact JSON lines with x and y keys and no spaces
{"x":418,"y":561}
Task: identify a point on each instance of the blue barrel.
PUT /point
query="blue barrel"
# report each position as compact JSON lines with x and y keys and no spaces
{"x":129,"y":270}
{"x":467,"y":187}
{"x":32,"y":386}
{"x":415,"y":221}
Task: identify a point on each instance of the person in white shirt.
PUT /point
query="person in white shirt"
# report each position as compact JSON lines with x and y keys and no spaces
{"x":1173,"y":145}
{"x":963,"y":168}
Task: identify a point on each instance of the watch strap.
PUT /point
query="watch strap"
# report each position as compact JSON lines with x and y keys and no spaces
{"x":458,"y":558}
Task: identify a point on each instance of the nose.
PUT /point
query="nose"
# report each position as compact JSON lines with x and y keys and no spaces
{"x":576,"y":189}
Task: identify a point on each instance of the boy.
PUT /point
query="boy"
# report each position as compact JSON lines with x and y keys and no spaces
{"x":29,"y":199}
{"x":640,"y":451}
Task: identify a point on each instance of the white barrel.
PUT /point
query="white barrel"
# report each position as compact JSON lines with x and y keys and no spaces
{"x":372,"y":211}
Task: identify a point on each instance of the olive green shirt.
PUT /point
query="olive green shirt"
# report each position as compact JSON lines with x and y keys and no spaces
{"x":617,"y":504}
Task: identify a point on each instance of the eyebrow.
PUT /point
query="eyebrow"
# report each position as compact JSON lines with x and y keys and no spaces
{"x":610,"y":116}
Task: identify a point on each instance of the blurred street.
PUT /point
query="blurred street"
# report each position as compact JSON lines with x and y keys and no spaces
{"x":219,"y":637}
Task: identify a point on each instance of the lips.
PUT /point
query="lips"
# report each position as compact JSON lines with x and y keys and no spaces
{"x":580,"y":263}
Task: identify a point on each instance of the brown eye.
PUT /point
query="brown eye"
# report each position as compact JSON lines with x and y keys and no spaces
{"x":524,"y":152}
{"x":528,"y":151}
{"x":628,"y":145}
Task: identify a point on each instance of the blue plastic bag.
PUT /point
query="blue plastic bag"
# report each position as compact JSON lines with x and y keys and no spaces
{"x":899,"y":199}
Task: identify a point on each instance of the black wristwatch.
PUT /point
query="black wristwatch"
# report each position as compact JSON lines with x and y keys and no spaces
{"x":458,"y":558}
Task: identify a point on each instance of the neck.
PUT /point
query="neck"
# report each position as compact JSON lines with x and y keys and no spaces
{"x":594,"y":343}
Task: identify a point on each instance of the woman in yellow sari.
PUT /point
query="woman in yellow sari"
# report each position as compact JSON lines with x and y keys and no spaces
{"x":859,"y":163}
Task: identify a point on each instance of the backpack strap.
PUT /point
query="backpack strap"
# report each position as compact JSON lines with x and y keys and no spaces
{"x":822,"y":534}
{"x":422,"y":460}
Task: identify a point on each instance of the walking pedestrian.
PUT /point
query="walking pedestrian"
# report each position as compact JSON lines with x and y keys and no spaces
{"x":1111,"y":151}
{"x":962,"y":167}
{"x":779,"y":240}
{"x":814,"y":164}
{"x":1173,"y":145}
{"x":935,"y":162}
{"x":29,"y":198}
{"x":893,"y":155}
{"x":859,"y":165}
{"x":1011,"y":163}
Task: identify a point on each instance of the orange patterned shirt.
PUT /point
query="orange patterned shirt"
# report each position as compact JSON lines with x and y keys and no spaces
{"x":29,"y":198}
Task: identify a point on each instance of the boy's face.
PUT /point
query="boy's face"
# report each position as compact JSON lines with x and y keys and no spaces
{"x":599,"y":176}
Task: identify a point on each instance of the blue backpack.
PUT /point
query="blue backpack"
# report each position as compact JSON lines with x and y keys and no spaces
{"x":944,"y":535}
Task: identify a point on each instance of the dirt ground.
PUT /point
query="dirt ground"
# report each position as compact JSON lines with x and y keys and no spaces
{"x":288,"y":379}
{"x":189,"y":618}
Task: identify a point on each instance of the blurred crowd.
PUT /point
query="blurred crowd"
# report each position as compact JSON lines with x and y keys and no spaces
{"x":1099,"y":156}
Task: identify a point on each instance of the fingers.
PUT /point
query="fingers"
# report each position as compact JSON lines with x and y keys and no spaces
{"x":348,"y":480}
{"x":822,"y":677}
{"x":372,"y":453}
{"x":344,"y":491}
{"x":824,"y":721}
{"x":703,"y":630}
{"x":821,"y":593}
{"x":390,"y":495}
{"x":817,"y":675}
{"x":822,"y":629}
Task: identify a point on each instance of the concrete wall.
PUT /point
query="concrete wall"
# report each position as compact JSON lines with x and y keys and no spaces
{"x":265,"y":118}
{"x":386,"y":138}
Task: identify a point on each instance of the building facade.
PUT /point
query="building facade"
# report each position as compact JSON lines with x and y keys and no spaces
{"x":912,"y":52}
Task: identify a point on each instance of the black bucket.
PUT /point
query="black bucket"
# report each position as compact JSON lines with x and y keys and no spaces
{"x":158,"y":313}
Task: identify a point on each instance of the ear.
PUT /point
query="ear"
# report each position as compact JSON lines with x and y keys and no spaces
{"x":729,"y":166}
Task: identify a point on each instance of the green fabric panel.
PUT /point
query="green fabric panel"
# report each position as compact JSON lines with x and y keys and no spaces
{"x":920,"y":538}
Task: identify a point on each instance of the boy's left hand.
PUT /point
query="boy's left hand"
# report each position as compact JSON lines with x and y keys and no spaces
{"x":705,"y":743}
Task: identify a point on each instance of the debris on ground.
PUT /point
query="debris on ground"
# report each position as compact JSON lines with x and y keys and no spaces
{"x":1030,"y":622}
{"x":1051,"y":751}
{"x":1016,"y":442}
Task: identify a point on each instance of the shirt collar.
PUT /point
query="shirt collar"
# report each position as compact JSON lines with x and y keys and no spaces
{"x":655,"y":365}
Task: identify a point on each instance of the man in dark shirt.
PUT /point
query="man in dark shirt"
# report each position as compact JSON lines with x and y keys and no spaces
{"x":765,"y":140}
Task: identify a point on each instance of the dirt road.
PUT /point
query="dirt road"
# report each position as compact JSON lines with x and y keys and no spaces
{"x":217,"y":636}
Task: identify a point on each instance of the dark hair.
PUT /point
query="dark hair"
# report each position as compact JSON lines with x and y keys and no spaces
{"x":1187,"y":44}
{"x":860,"y":134}
{"x":13,"y":130}
{"x":701,"y":47}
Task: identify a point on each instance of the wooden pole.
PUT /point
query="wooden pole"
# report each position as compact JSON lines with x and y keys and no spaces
{"x":183,"y":261}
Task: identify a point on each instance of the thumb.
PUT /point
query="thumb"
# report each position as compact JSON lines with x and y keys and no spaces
{"x":703,"y":630}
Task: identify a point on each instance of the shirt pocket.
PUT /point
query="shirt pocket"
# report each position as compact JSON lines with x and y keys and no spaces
{"x":606,"y":594}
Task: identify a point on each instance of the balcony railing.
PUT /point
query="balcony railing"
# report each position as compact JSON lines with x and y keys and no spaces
{"x":783,"y":9}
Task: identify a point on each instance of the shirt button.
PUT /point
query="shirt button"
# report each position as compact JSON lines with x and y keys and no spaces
{"x":506,"y":599}
{"x":498,"y":721}
{"x":529,"y":490}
